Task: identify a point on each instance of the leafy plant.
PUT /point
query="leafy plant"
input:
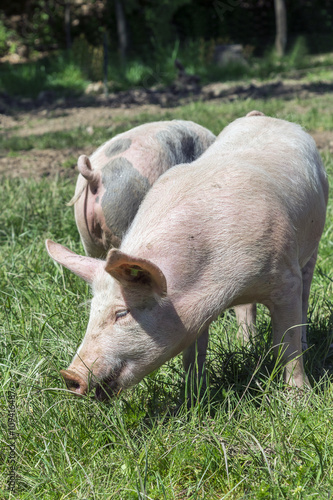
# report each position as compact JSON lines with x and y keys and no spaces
{"x":5,"y":36}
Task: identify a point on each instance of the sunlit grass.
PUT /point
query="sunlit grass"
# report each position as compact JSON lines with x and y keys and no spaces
{"x":247,"y":438}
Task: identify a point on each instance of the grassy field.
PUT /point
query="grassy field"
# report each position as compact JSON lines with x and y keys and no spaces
{"x":249,"y":438}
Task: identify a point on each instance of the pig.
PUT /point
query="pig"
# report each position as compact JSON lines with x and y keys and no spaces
{"x":241,"y":226}
{"x":114,"y":181}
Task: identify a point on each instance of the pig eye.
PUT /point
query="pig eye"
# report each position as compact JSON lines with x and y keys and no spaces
{"x":121,"y":314}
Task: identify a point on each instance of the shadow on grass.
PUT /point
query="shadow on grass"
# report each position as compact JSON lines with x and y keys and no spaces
{"x":72,"y":95}
{"x":233,"y":370}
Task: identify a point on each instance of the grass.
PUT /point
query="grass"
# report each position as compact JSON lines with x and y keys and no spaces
{"x":30,"y":78}
{"x":248,"y":437}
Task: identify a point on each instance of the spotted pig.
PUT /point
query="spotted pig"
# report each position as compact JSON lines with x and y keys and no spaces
{"x":116,"y":178}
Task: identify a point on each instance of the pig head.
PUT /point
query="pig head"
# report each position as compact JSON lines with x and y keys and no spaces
{"x":116,"y":178}
{"x":125,"y":289}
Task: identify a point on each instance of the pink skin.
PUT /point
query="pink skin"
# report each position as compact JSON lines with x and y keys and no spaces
{"x":153,"y":148}
{"x":241,"y":226}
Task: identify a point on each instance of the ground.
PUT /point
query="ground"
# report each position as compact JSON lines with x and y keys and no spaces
{"x":22,"y":117}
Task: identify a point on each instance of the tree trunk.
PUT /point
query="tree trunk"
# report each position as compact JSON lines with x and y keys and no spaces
{"x":281,"y":27}
{"x":122,"y":30}
{"x":68,"y":24}
{"x":105,"y":62}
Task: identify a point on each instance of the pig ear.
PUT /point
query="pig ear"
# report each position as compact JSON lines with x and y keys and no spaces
{"x":84,"y":267}
{"x":131,"y":271}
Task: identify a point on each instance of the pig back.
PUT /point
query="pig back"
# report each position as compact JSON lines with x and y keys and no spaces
{"x":253,"y":201}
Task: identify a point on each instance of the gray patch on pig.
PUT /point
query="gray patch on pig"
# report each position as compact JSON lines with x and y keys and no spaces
{"x":181,"y":146}
{"x":188,"y":147}
{"x":125,"y":189}
{"x":117,"y":147}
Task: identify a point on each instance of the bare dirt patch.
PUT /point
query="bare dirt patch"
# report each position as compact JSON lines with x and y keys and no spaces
{"x":51,"y":162}
{"x":324,"y":140}
{"x":22,"y":117}
{"x":39,"y":163}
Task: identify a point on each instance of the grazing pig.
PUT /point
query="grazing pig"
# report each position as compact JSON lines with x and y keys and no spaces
{"x":113,"y":183}
{"x":241,"y":226}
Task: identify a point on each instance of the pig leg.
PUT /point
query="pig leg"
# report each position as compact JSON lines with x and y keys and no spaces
{"x":246,"y":319}
{"x":287,"y":332}
{"x":307,"y":274}
{"x":194,"y":358}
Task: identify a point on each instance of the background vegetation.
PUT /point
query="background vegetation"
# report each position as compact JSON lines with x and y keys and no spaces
{"x":63,"y":45}
{"x":41,"y":25}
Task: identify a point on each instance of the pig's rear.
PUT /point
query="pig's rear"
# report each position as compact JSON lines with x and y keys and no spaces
{"x":114,"y":181}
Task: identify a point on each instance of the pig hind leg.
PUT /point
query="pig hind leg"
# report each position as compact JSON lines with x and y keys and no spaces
{"x":246,"y":319}
{"x":246,"y":314}
{"x":307,"y":274}
{"x":286,"y":313}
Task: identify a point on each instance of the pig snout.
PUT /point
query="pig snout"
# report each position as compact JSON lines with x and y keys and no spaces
{"x":75,"y":382}
{"x":78,"y":384}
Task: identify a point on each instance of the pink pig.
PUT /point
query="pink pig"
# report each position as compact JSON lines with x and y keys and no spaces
{"x":114,"y":181}
{"x":241,"y":226}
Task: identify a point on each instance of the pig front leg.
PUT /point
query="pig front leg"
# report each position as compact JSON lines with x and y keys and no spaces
{"x":286,"y":315}
{"x":194,"y":358}
{"x":246,"y":315}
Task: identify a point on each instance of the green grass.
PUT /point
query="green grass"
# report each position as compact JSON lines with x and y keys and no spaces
{"x":248,"y":437}
{"x":69,"y":73}
{"x":58,"y":75}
